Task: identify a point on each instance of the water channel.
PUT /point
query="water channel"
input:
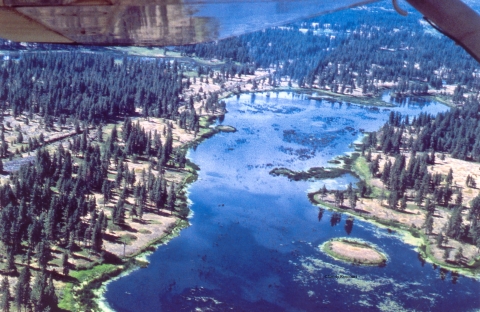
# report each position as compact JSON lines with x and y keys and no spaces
{"x":253,"y":240}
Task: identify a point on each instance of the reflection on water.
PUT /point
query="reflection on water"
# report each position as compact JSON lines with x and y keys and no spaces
{"x":253,"y":243}
{"x":160,"y":22}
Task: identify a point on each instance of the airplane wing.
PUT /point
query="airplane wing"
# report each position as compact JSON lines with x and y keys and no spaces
{"x":180,"y":22}
{"x":150,"y":22}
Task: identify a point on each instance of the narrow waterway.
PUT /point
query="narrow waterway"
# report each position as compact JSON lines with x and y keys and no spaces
{"x":253,"y":240}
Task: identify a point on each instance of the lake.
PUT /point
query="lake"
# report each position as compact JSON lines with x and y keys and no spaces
{"x":253,"y":240}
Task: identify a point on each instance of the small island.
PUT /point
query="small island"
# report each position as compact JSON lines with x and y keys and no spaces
{"x":225,"y":128}
{"x":354,"y":251}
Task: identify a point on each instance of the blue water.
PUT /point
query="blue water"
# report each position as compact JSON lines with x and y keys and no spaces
{"x":253,"y":240}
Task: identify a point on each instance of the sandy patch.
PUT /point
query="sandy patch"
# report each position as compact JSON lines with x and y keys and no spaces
{"x":353,"y":251}
{"x":139,"y":235}
{"x":363,"y":254}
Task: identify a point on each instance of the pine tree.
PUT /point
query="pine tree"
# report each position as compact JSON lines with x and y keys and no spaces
{"x":171,"y":198}
{"x":51,"y":299}
{"x":419,"y":197}
{"x":403,"y":203}
{"x":393,"y":200}
{"x":459,"y":255}
{"x":132,"y":179}
{"x":449,"y":178}
{"x":352,"y":199}
{"x":429,"y":224}
{"x":20,"y":137}
{"x":439,"y":240}
{"x":374,"y":166}
{"x":454,"y":227}
{"x":100,"y":133}
{"x":341,"y":198}
{"x":474,"y":213}
{"x":22,"y":289}
{"x":368,"y":157}
{"x":5,"y":295}
{"x":65,"y":264}
{"x":71,"y":243}
{"x":119,"y":212}
{"x":106,"y":190}
{"x":446,"y":254}
{"x":459,"y":199}
{"x":323,"y":192}
{"x":386,"y":172}
{"x":10,"y":264}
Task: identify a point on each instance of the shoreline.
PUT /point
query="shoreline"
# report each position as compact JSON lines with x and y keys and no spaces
{"x":101,"y":274}
{"x":408,"y":235}
{"x":139,"y":258}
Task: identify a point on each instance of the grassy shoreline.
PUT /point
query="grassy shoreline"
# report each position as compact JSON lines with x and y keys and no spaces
{"x":408,"y":234}
{"x":86,"y":293}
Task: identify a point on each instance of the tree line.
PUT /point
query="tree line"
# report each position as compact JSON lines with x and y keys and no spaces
{"x":351,"y":49}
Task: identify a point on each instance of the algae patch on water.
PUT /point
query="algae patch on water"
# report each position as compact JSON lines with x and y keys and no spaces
{"x":313,"y":270}
{"x":312,"y":173}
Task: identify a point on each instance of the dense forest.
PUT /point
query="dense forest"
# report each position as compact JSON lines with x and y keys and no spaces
{"x":353,"y":48}
{"x":454,"y":132}
{"x":49,"y":206}
{"x":93,"y":87}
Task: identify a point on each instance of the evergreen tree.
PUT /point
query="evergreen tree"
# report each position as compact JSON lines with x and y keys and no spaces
{"x":446,"y":254}
{"x":374,"y":166}
{"x":323,"y":192}
{"x":386,"y":172}
{"x":459,"y":199}
{"x":352,"y":199}
{"x":10,"y":264}
{"x":429,"y":224}
{"x":119,"y":212}
{"x":5,"y":295}
{"x":449,"y":178}
{"x":65,"y":264}
{"x":403,"y":203}
{"x":459,"y":254}
{"x":171,"y":198}
{"x":22,"y":289}
{"x":454,"y":227}
{"x":106,"y":190}
{"x":440,"y":240}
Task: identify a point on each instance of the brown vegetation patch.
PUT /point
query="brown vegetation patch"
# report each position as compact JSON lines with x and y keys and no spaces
{"x":354,"y":251}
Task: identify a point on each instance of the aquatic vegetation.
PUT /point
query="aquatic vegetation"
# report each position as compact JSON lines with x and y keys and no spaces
{"x":312,"y":173}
